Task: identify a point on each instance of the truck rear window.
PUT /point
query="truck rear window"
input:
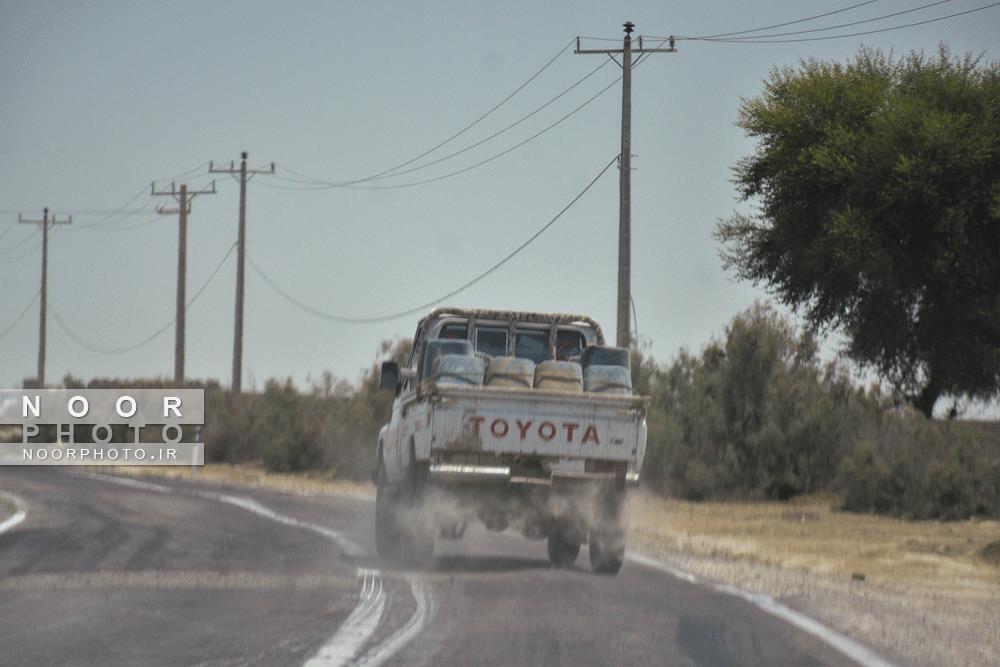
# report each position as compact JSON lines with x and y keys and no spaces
{"x":528,"y":343}
{"x":491,"y":341}
{"x":569,"y":344}
{"x":454,"y":332}
{"x":532,"y":345}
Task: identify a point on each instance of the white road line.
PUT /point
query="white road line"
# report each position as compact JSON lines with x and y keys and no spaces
{"x":19,"y":515}
{"x":852,"y":649}
{"x":404,"y":635}
{"x":363,"y":621}
{"x":357,"y":628}
{"x":252,"y":505}
{"x":123,"y":481}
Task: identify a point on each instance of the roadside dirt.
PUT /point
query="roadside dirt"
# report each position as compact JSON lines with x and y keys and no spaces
{"x":919,"y":592}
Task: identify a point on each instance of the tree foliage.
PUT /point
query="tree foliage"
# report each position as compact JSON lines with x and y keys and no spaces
{"x":877,"y":194}
{"x":756,"y":415}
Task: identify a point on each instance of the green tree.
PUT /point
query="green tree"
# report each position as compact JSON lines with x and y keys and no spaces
{"x":876,"y":187}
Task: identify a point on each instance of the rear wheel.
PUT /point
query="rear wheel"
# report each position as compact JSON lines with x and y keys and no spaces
{"x":563,"y":549}
{"x":387,"y":538}
{"x":607,"y":551}
{"x":416,"y":520}
{"x":607,"y":536}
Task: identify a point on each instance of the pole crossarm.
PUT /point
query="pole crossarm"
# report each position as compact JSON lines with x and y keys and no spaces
{"x":234,"y":169}
{"x":175,"y":192}
{"x":51,"y":220}
{"x":641,"y":49}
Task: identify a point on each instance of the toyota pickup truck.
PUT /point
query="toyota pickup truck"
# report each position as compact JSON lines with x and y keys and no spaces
{"x":514,"y":419}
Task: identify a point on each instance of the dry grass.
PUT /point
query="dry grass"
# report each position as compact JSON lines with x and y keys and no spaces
{"x":918,"y":592}
{"x":808,"y":534}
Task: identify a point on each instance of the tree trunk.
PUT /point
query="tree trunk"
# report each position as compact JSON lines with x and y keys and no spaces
{"x":927,"y":398}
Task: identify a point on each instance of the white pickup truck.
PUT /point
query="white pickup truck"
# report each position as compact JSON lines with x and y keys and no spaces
{"x":521,"y":420}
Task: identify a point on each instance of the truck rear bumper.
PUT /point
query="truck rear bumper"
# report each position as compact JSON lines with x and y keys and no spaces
{"x":460,"y":473}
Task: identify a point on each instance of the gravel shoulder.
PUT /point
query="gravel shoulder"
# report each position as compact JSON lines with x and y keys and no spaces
{"x":918,"y":592}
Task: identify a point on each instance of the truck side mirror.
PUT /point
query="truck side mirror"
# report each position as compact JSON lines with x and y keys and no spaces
{"x":389,"y":377}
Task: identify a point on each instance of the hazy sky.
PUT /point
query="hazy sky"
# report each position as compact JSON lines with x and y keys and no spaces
{"x":99,"y":99}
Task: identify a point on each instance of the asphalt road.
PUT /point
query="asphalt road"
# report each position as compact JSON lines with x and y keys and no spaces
{"x":179,"y":573}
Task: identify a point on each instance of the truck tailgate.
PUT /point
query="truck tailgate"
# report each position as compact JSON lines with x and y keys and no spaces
{"x":533,"y":422}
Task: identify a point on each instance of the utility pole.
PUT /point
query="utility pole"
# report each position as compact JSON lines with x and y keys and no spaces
{"x":245,"y":175}
{"x":183,"y":197}
{"x":44,"y":222}
{"x":625,"y":173}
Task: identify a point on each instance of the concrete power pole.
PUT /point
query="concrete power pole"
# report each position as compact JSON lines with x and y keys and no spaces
{"x":245,"y":175}
{"x":183,"y":197}
{"x":44,"y":222}
{"x":625,"y":174}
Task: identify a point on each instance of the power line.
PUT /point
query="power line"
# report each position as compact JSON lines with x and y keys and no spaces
{"x":121,"y":212}
{"x":86,"y":212}
{"x":470,"y":167}
{"x":9,"y":227}
{"x":137,"y":225}
{"x":446,"y":141}
{"x":423,"y":307}
{"x":324,"y":185}
{"x":17,"y":257}
{"x":853,"y":34}
{"x":100,"y":222}
{"x":782,"y":25}
{"x":159,"y":332}
{"x":25,"y":241}
{"x":841,"y":25}
{"x":20,"y":316}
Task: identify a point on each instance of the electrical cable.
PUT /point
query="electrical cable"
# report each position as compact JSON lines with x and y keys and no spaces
{"x":9,"y":227}
{"x":159,"y":332}
{"x":117,"y":213}
{"x":496,"y":156}
{"x":324,"y":185}
{"x":635,"y":321}
{"x":102,"y":221}
{"x":449,"y":139}
{"x":27,"y":239}
{"x":423,"y":307}
{"x":782,"y":25}
{"x":465,"y":169}
{"x":20,"y":316}
{"x":833,"y":27}
{"x":9,"y":260}
{"x":853,"y":34}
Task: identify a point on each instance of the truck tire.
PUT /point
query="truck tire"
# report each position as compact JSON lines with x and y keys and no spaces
{"x":386,"y":528}
{"x":417,"y":531}
{"x":607,"y":535}
{"x":563,"y":550}
{"x":607,"y":551}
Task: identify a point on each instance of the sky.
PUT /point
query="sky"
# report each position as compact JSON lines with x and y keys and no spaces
{"x":99,"y":99}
